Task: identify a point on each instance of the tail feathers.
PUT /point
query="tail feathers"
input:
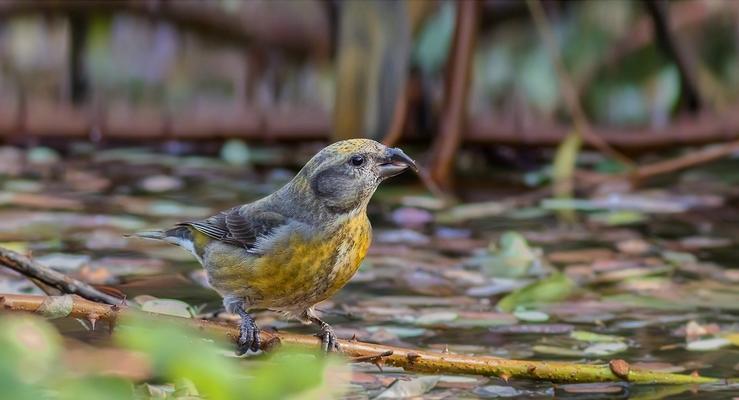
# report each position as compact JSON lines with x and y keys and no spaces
{"x":176,"y":235}
{"x":179,"y":235}
{"x":158,"y":235}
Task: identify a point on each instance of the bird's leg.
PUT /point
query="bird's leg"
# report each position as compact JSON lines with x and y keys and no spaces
{"x":249,"y":332}
{"x":329,"y":341}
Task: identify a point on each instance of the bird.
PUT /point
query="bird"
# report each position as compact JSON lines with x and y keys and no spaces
{"x":296,"y":247}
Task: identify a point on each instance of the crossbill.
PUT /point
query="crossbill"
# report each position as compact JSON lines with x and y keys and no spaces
{"x":298,"y":246}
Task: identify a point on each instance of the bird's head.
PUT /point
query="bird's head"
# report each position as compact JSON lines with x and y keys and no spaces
{"x":344,"y":175}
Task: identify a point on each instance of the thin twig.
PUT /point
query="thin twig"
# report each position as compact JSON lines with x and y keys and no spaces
{"x":660,"y":13}
{"x":409,"y":359}
{"x":582,"y":126}
{"x":642,"y":172}
{"x":692,"y":159}
{"x":373,"y":357}
{"x":46,"y":275}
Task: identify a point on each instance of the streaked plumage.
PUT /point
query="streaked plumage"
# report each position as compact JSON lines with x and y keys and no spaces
{"x":297,"y":246}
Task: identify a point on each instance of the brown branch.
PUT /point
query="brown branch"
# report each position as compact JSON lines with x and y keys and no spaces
{"x":456,"y":91}
{"x":61,"y":120}
{"x":660,"y":12}
{"x":706,"y":127}
{"x":48,"y":276}
{"x":689,"y":160}
{"x":569,"y":92}
{"x":409,"y":359}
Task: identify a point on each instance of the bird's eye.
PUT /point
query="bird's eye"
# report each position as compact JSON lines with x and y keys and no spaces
{"x":356,"y":160}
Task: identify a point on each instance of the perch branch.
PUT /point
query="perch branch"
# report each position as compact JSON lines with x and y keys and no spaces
{"x":409,"y":359}
{"x":48,"y":276}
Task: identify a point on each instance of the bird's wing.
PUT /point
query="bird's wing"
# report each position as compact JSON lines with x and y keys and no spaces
{"x":238,"y":226}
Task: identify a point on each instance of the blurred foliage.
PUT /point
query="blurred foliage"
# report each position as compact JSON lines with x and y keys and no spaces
{"x":186,"y":365}
{"x":513,"y":73}
{"x":135,"y":61}
{"x":563,"y":170}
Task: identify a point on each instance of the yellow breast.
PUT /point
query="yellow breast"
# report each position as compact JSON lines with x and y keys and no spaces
{"x":298,"y":271}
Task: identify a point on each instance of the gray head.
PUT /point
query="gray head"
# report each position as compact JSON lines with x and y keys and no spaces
{"x":343,"y":176}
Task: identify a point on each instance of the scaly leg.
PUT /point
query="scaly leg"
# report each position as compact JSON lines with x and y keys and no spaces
{"x":249,"y":336}
{"x":329,"y":341}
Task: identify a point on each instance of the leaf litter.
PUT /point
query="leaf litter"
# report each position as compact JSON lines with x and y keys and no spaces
{"x":656,"y":287}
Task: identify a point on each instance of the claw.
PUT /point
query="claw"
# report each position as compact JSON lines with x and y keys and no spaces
{"x":329,"y":341}
{"x":249,"y":336}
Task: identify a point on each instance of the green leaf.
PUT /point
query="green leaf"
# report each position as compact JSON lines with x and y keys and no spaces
{"x":708,"y":344}
{"x":563,"y":170}
{"x":530,"y":315}
{"x":28,"y":345}
{"x":557,"y":351}
{"x":415,"y":387}
{"x":585,"y":336}
{"x":605,"y":349}
{"x":98,"y":387}
{"x":511,"y":258}
{"x":173,"y":307}
{"x":556,"y":287}
{"x":617,"y":218}
{"x":179,"y":354}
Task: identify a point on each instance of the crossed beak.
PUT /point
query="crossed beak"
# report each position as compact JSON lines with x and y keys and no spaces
{"x":396,"y":162}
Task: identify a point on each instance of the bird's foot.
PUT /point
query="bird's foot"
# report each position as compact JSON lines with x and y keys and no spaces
{"x":249,"y":335}
{"x":329,"y":341}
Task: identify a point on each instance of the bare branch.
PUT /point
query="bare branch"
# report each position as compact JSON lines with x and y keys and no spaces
{"x":409,"y":359}
{"x":48,"y":276}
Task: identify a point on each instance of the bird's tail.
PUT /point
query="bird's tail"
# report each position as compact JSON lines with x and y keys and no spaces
{"x":157,"y":235}
{"x":179,"y":235}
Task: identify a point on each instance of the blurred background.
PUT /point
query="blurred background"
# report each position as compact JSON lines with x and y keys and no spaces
{"x":579,"y":194}
{"x":485,"y":75}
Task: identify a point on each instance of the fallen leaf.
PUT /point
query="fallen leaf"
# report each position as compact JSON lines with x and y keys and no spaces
{"x":512,"y":257}
{"x":173,"y":307}
{"x":531,"y":315}
{"x":557,"y":351}
{"x":584,"y":388}
{"x":404,"y":389}
{"x":556,"y":287}
{"x":436,"y":317}
{"x":605,"y":349}
{"x":591,"y":337}
{"x":492,"y":391}
{"x":708,"y":344}
{"x":399,"y":331}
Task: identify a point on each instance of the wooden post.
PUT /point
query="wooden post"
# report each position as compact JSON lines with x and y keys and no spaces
{"x":459,"y":71}
{"x":78,"y":83}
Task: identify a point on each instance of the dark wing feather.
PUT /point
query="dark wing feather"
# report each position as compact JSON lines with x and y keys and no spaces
{"x":239,"y":228}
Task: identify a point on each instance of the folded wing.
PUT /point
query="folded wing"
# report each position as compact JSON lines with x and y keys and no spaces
{"x":239,"y":226}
